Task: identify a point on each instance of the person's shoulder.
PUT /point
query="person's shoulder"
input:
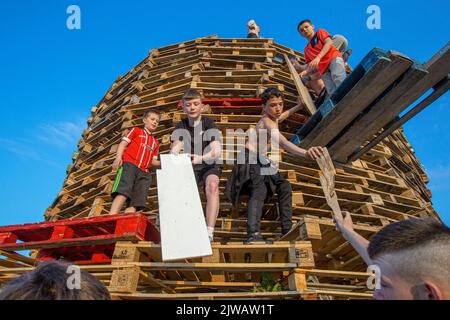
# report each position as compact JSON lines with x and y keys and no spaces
{"x":322,"y":32}
{"x":135,"y":130}
{"x":267,"y":123}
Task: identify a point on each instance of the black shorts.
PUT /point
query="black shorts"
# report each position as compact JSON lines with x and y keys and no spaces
{"x":132,"y":183}
{"x":202,"y":171}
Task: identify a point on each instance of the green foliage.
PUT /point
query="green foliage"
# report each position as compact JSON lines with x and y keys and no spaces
{"x":268,"y":284}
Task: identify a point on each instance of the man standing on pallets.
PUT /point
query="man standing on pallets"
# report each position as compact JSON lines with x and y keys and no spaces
{"x":257,"y":176}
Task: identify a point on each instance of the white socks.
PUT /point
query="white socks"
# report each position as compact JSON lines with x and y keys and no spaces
{"x":210,"y":233}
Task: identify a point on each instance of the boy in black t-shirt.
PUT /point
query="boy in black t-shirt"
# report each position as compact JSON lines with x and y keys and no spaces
{"x":199,"y":137}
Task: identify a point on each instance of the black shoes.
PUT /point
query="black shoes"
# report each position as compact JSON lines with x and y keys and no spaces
{"x":256,"y":238}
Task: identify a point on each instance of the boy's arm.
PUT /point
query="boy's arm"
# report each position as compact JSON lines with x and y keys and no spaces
{"x":290,"y":112}
{"x":176,"y":146}
{"x":312,"y":66}
{"x":312,"y":153}
{"x":156,"y":163}
{"x":216,"y":151}
{"x":345,"y":226}
{"x":120,"y":150}
{"x":299,"y":67}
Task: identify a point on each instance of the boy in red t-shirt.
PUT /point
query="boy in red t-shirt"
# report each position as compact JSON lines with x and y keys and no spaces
{"x":322,"y":57}
{"x":137,"y":152}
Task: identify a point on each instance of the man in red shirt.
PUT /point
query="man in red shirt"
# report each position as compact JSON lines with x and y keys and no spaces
{"x":137,"y":152}
{"x":322,"y":57}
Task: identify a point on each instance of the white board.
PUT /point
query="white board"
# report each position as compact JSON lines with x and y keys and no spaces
{"x":182,"y":223}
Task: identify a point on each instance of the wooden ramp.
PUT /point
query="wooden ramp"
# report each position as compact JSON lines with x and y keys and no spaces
{"x":370,"y":101}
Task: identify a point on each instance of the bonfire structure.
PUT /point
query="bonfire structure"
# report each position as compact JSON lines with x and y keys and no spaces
{"x":376,"y":176}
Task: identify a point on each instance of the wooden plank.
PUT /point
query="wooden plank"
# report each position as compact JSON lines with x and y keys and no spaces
{"x":440,"y":89}
{"x":327,"y":181}
{"x":183,"y":227}
{"x":416,"y":82}
{"x":380,"y":114}
{"x":224,"y":295}
{"x":303,"y":92}
{"x":379,"y":70}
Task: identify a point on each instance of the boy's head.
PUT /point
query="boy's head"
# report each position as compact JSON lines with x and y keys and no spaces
{"x":252,"y":26}
{"x":414,"y":260}
{"x":306,"y":29}
{"x":273,"y":104}
{"x":151,"y":120}
{"x":54,"y":281}
{"x":192,"y":104}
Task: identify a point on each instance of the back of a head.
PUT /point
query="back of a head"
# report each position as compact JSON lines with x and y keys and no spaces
{"x":418,"y":249}
{"x":49,"y":281}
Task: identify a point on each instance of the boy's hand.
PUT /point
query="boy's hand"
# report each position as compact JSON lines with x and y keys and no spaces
{"x":117,"y":164}
{"x":313,"y":65}
{"x":196,"y":159}
{"x":344,"y":224}
{"x":314,"y":153}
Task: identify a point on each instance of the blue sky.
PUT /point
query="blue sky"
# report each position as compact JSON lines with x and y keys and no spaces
{"x":52,"y":76}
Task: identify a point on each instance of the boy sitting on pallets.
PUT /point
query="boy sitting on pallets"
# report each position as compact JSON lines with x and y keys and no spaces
{"x":253,"y":30}
{"x":258,"y":176}
{"x":324,"y":61}
{"x":136,"y":154}
{"x":199,"y":136}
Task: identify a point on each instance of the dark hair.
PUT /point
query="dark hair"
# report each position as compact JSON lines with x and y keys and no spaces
{"x":191,"y":94}
{"x":408,"y":234}
{"x":49,"y":281}
{"x":149,"y":112}
{"x":270,"y":93}
{"x":302,"y":22}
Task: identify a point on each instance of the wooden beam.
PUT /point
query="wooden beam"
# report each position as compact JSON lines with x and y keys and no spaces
{"x":379,"y":70}
{"x":409,"y":88}
{"x":327,"y":181}
{"x":440,"y":89}
{"x":303,"y":92}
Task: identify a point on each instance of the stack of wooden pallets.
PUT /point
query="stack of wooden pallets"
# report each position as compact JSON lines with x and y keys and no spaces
{"x":384,"y":184}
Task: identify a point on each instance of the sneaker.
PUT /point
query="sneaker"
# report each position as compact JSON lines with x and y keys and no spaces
{"x":256,"y":237}
{"x":347,"y":55}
